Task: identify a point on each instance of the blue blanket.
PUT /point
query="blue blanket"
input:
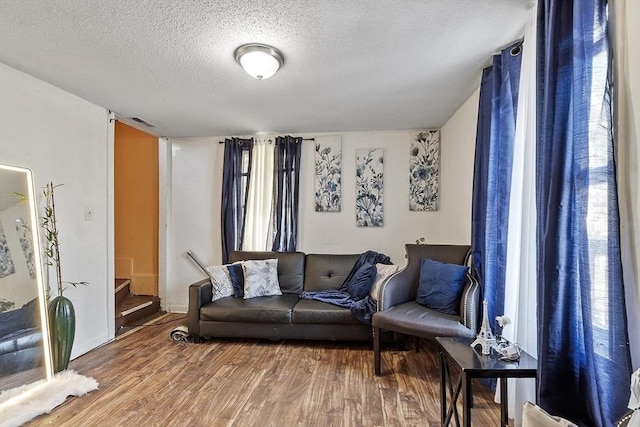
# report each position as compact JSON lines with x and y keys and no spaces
{"x":362,"y":309}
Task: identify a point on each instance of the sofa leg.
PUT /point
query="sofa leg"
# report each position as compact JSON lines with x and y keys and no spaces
{"x":376,"y":350}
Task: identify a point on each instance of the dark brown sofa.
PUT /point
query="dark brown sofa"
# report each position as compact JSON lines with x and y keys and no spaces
{"x":20,"y":339}
{"x":280,"y":317}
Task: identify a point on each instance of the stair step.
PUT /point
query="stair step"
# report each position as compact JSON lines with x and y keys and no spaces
{"x":135,"y":307}
{"x":121,"y":284}
{"x":122,"y":289}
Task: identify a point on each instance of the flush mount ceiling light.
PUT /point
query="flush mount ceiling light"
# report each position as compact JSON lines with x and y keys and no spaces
{"x":260,"y":61}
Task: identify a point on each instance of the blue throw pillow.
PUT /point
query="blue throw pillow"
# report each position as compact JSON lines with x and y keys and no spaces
{"x":360,"y":285}
{"x":441,"y":286}
{"x":237,"y":279}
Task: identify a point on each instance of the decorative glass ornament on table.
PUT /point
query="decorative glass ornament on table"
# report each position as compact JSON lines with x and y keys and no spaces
{"x":502,"y":322}
{"x":509,"y":352}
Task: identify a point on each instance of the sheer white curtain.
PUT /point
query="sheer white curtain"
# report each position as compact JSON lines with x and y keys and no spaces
{"x":520,"y":278}
{"x":260,"y":197}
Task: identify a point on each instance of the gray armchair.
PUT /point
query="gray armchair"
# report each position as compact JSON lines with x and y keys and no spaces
{"x":399,"y":312}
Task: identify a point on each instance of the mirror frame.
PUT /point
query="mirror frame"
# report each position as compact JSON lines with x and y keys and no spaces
{"x":37,"y":254}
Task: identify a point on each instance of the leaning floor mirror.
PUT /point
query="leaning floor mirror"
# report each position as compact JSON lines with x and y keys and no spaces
{"x":24,"y":343}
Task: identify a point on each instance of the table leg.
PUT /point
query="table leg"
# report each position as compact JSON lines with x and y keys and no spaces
{"x":446,"y":380}
{"x":376,"y":351}
{"x":453,"y":407}
{"x":466,"y":401}
{"x":504,"y":406}
{"x":443,"y":389}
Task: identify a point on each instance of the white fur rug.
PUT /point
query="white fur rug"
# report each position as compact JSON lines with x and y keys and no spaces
{"x":21,"y":404}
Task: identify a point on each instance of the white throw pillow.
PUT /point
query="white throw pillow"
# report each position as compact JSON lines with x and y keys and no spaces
{"x":221,"y":282}
{"x":535,"y":416}
{"x":383,"y":272}
{"x":261,"y":278}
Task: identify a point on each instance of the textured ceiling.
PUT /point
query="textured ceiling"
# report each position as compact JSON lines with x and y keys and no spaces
{"x":350,"y":65}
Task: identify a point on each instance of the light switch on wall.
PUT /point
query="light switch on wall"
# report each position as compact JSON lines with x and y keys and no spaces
{"x":89,"y":213}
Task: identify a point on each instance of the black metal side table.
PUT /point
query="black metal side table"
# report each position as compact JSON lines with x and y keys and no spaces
{"x":471,"y":363}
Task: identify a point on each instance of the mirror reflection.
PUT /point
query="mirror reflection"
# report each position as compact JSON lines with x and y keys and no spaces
{"x":23,"y":346}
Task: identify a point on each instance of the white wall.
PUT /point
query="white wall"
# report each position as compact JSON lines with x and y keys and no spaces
{"x":459,"y":133}
{"x":627,"y":62}
{"x":195,"y":170}
{"x":323,"y":232}
{"x":193,"y":213}
{"x":67,"y":140}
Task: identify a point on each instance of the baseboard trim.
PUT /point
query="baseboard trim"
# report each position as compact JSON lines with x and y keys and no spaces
{"x":177,"y":308}
{"x":80,"y":348}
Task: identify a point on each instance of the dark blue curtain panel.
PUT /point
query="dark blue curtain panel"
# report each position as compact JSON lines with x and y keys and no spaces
{"x":492,"y":174}
{"x":232,"y":194}
{"x":583,"y":352}
{"x":286,"y":193}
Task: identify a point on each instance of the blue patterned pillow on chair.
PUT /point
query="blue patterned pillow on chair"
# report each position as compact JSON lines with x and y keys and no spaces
{"x":441,"y":285}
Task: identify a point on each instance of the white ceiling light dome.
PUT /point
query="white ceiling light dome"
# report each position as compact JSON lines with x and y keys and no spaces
{"x":260,"y":61}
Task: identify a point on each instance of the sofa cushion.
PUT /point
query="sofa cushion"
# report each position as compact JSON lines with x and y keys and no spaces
{"x":318,"y":312}
{"x":290,"y":267}
{"x":273,"y":309}
{"x":327,"y":271}
{"x":360,"y":285}
{"x":441,"y":284}
{"x":261,"y":278}
{"x":21,"y":340}
{"x":21,"y":351}
{"x":412,"y":318}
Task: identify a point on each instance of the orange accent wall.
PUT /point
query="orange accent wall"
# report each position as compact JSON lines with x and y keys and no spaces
{"x":136,"y":208}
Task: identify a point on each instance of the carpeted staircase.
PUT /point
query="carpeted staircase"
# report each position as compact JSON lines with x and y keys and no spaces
{"x":131,"y":308}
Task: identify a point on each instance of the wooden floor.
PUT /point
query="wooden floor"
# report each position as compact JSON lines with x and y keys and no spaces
{"x":148,"y":380}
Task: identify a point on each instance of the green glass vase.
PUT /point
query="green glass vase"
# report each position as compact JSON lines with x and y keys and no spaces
{"x":62,"y":328}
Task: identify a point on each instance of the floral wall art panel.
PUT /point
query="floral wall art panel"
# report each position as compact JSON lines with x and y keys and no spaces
{"x":424,"y":171}
{"x":328,"y":180}
{"x":24,"y":236}
{"x":369,"y":187}
{"x":6,"y":261}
